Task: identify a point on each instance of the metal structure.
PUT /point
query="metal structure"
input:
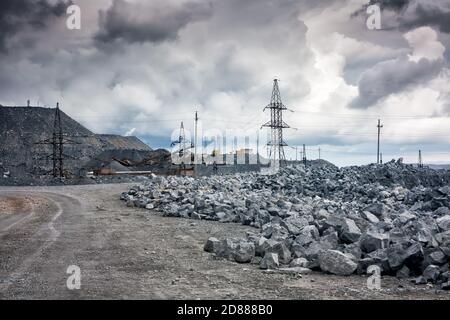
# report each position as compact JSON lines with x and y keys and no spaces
{"x":57,"y":141}
{"x":304,"y":155}
{"x":276,"y":123}
{"x":183,"y":147}
{"x":379,"y":126}
{"x":420,"y":163}
{"x":195,"y":137}
{"x":181,"y":142}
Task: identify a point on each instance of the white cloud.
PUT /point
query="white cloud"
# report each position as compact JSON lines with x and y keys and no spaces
{"x":425,"y":44}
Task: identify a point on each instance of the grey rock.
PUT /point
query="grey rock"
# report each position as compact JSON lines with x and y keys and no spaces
{"x":371,"y":241}
{"x":354,"y":250}
{"x":228,"y":248}
{"x":284,"y":255}
{"x":403,"y":273}
{"x":370,"y":217}
{"x":244,"y":252}
{"x":307,"y":235}
{"x":431,"y":273}
{"x":299,"y":262}
{"x":336,"y":262}
{"x":420,"y":280}
{"x":380,"y":258}
{"x":414,"y":257}
{"x":270,"y":261}
{"x":294,"y":270}
{"x":261,"y":246}
{"x":329,"y":241}
{"x":376,"y":209}
{"x":437,"y":257}
{"x":445,"y":285}
{"x":213,"y":245}
{"x":444,"y":223}
{"x":350,"y":231}
{"x":396,"y":257}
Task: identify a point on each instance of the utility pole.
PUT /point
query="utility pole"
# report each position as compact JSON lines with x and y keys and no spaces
{"x":296,"y":153}
{"x":379,"y":126}
{"x":277,"y":125}
{"x":304,"y":155}
{"x":420,"y":164}
{"x":195,"y":143}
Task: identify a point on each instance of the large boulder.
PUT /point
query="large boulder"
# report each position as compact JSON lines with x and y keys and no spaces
{"x":414,"y":257}
{"x":350,"y":231}
{"x":284,"y":255}
{"x":244,"y":252}
{"x":370,"y":217}
{"x":396,"y":257}
{"x":431,"y":273}
{"x":444,"y":223}
{"x":336,"y":262}
{"x":307,"y":235}
{"x":270,"y":261}
{"x":213,"y":245}
{"x":376,"y":209}
{"x":372,"y":240}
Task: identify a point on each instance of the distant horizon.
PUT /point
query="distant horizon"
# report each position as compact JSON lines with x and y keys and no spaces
{"x":288,"y":150}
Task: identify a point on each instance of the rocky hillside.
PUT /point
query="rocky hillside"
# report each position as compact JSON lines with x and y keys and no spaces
{"x":22,"y":127}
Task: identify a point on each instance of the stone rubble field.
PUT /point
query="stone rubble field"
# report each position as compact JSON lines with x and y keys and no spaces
{"x":320,"y":217}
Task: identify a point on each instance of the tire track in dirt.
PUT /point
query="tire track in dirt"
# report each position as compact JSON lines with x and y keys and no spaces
{"x":47,"y":227}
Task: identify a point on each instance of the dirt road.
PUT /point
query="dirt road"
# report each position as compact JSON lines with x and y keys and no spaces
{"x":126,"y":253}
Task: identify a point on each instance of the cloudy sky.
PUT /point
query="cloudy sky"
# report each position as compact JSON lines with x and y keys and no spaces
{"x":141,"y":66}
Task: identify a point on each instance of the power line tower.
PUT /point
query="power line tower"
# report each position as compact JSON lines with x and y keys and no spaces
{"x":304,"y":155}
{"x":57,"y":141}
{"x":277,"y":125}
{"x":182,"y":144}
{"x":379,"y":126}
{"x":420,"y":164}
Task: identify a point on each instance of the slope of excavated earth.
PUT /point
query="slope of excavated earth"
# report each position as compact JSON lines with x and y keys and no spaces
{"x":21,"y":128}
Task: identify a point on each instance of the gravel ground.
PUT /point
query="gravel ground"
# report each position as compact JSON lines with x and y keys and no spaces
{"x":127,"y":253}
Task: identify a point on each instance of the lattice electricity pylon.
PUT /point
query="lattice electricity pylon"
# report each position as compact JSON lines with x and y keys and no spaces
{"x":182,"y":143}
{"x":57,"y":141}
{"x":276,"y":123}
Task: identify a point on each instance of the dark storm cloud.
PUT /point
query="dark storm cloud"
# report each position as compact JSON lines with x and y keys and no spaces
{"x":396,"y":5}
{"x":428,"y":15}
{"x":413,"y":13}
{"x":16,"y":15}
{"x":393,"y":76}
{"x":140,"y":22}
